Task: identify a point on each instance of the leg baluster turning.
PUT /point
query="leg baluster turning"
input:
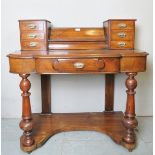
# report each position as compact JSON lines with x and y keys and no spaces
{"x":129,"y":120}
{"x":26,"y":122}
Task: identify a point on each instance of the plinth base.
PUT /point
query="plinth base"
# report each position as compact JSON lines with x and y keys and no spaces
{"x":46,"y":125}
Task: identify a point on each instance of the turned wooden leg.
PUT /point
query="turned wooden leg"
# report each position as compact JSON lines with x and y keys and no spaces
{"x":26,"y":122}
{"x":129,"y":120}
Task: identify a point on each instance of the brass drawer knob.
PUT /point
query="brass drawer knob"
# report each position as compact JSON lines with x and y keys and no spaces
{"x":122,"y":25}
{"x":32,"y":44}
{"x":32,"y":26}
{"x":32,"y":36}
{"x":121,"y":35}
{"x":121,"y":44}
{"x":79,"y":65}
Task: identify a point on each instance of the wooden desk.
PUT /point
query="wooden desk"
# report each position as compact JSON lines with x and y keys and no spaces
{"x":106,"y":62}
{"x":77,"y":51}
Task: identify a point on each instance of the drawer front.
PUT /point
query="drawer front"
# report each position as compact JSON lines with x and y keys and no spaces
{"x":122,"y":44}
{"x":121,"y":25}
{"x":122,"y":35}
{"x":81,"y":65}
{"x":33,"y":45}
{"x":32,"y":36}
{"x":76,"y":65}
{"x":34,"y":25}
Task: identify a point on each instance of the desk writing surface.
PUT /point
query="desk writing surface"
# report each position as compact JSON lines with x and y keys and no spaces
{"x":77,"y":53}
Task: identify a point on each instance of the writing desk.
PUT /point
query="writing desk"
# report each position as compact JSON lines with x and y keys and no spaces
{"x":39,"y":127}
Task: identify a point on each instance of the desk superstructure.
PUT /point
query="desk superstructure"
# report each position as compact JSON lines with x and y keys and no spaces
{"x":46,"y":50}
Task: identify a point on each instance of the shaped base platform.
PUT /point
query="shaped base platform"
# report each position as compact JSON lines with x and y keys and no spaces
{"x":46,"y":125}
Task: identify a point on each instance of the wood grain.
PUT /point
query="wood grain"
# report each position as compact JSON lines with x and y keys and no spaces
{"x":47,"y":125}
{"x":46,"y":93}
{"x":109,"y":92}
{"x":74,"y":45}
{"x":77,"y":34}
{"x":114,"y":27}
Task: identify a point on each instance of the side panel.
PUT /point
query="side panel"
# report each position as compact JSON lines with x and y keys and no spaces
{"x":133,"y":64}
{"x":22,"y":66}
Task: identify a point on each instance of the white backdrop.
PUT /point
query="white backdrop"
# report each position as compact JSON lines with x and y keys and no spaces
{"x":72,"y":93}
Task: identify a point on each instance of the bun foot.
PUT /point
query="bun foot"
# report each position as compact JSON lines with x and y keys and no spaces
{"x":27,"y":149}
{"x":130,"y":146}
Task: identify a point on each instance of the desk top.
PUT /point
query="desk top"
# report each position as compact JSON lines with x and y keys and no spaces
{"x":76,"y":53}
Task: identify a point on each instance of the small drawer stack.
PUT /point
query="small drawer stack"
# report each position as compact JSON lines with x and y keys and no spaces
{"x":34,"y":34}
{"x":120,"y":33}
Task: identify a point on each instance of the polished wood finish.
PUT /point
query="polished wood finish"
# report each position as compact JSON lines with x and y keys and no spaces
{"x":28,"y":45}
{"x":125,"y":35}
{"x":77,"y":51}
{"x":77,"y":34}
{"x":95,"y":62}
{"x":44,"y":62}
{"x":34,"y":34}
{"x":129,"y":120}
{"x":76,"y":45}
{"x":46,"y":126}
{"x":77,"y":38}
{"x":120,"y":33}
{"x":21,"y":65}
{"x":47,"y":65}
{"x":26,"y":122}
{"x":116,"y":24}
{"x":126,"y":44}
{"x":46,"y":93}
{"x":109,"y":92}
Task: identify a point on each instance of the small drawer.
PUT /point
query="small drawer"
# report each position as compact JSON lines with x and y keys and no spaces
{"x":34,"y":25}
{"x":32,"y":36}
{"x":33,"y":45}
{"x":122,"y":24}
{"x":121,"y":44}
{"x":122,"y":35}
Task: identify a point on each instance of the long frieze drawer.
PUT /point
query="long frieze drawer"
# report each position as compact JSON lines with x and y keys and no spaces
{"x":32,"y":25}
{"x":121,"y":44}
{"x":122,"y":35}
{"x":33,"y":45}
{"x":32,"y":36}
{"x":122,"y":24}
{"x":47,"y":65}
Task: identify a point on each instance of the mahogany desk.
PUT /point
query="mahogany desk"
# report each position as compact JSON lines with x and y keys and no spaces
{"x":79,"y":57}
{"x":120,"y":128}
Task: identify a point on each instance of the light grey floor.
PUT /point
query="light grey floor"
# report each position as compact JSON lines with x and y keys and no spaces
{"x":78,"y":143}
